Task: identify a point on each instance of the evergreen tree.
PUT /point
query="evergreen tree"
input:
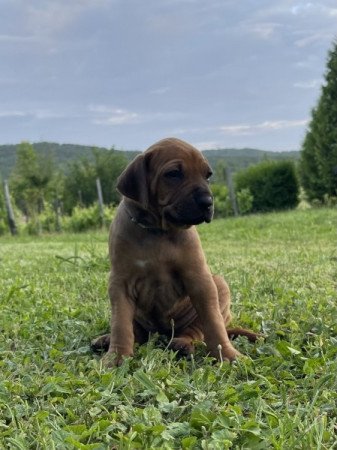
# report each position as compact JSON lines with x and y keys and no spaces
{"x":318,"y":165}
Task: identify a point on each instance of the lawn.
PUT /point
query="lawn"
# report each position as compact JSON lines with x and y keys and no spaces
{"x":55,"y":394}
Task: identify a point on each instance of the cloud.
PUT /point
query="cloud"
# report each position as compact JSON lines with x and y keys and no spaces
{"x":312,"y":39}
{"x":332,"y":12}
{"x":48,"y":17}
{"x":263,"y":30}
{"x":310,"y":84}
{"x":267,"y":126}
{"x":313,"y":8}
{"x":160,"y":91}
{"x":206,"y":145}
{"x":39,"y":113}
{"x":11,"y":114}
{"x":11,"y":38}
{"x":106,"y":115}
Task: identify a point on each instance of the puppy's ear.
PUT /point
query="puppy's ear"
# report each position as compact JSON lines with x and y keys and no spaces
{"x":133,"y":183}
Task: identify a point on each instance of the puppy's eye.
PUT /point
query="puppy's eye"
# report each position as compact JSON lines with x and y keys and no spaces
{"x":175,"y":174}
{"x":208,"y":176}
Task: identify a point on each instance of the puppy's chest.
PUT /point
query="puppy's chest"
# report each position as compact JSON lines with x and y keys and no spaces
{"x":156,"y":286}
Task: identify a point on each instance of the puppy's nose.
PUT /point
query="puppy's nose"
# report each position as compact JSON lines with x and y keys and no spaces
{"x":204,"y":200}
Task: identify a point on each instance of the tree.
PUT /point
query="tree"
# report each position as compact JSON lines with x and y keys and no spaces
{"x":318,"y":164}
{"x":30,"y":179}
{"x":80,"y":181}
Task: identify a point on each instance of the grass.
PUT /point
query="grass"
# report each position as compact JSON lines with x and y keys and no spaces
{"x":55,"y":394}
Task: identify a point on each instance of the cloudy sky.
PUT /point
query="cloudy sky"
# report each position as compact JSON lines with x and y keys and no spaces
{"x":217,"y":73}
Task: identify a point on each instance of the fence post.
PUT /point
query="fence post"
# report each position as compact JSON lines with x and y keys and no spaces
{"x":100,"y":199}
{"x":57,"y":207}
{"x":10,"y":213}
{"x":231,"y":191}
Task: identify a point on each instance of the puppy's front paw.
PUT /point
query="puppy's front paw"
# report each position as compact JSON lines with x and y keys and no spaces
{"x":111,"y":359}
{"x":227,"y":353}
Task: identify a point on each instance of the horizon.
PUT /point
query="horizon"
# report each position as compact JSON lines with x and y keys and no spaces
{"x":139,"y":150}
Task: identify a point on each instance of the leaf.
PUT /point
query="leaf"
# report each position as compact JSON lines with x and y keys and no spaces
{"x":251,"y":427}
{"x":161,"y":397}
{"x":188,"y":442}
{"x":294,"y":351}
{"x":145,"y":380}
{"x":201,"y":417}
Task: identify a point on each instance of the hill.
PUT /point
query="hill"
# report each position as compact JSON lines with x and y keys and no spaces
{"x":64,"y":153}
{"x":238,"y":159}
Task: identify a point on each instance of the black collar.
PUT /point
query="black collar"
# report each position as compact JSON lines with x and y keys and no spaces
{"x":145,"y":226}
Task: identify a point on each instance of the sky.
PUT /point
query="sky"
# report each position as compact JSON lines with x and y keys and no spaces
{"x":126,"y":73}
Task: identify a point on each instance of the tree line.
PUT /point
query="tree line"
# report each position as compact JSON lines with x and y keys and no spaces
{"x":38,"y":184}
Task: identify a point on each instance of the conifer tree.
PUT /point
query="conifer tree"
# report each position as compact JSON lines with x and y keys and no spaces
{"x":318,"y":165}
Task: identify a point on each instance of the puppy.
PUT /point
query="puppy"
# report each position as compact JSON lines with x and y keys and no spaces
{"x":159,"y":278}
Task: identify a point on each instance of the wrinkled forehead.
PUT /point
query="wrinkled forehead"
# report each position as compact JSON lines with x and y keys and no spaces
{"x":184,"y":157}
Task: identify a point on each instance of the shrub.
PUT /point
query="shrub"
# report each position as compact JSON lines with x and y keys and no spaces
{"x":222,"y":205}
{"x":273,"y":185}
{"x":245,"y":200}
{"x":330,"y":201}
{"x":82,"y":219}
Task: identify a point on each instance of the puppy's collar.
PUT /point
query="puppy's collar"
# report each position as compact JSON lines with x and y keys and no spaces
{"x":145,"y":226}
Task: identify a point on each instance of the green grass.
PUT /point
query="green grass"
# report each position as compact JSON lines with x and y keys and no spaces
{"x":55,"y":394}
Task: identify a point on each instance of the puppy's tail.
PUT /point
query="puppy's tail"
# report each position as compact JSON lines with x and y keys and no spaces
{"x":233,"y":333}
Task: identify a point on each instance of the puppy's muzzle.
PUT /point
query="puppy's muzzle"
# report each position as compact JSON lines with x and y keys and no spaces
{"x":195,"y":208}
{"x":204,"y":200}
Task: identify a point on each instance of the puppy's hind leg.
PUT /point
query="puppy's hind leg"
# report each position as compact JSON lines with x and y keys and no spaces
{"x":183,"y":342}
{"x":101,"y":344}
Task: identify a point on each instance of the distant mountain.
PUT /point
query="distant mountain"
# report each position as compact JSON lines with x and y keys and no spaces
{"x":62,"y":154}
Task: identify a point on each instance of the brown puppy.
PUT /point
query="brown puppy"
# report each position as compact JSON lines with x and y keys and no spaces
{"x":159,"y":277}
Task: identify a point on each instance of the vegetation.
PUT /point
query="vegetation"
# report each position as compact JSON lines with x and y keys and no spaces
{"x":63,"y":154}
{"x":40,"y":190}
{"x":273,"y":185}
{"x":80,"y":220}
{"x":238,"y":159}
{"x":222,"y":203}
{"x":31,"y":180}
{"x":3,"y":214}
{"x":80,"y":180}
{"x":55,"y":394}
{"x":318,"y":165}
{"x":43,"y":189}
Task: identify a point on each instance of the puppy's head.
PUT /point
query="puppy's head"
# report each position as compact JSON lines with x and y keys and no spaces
{"x":170,"y":181}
